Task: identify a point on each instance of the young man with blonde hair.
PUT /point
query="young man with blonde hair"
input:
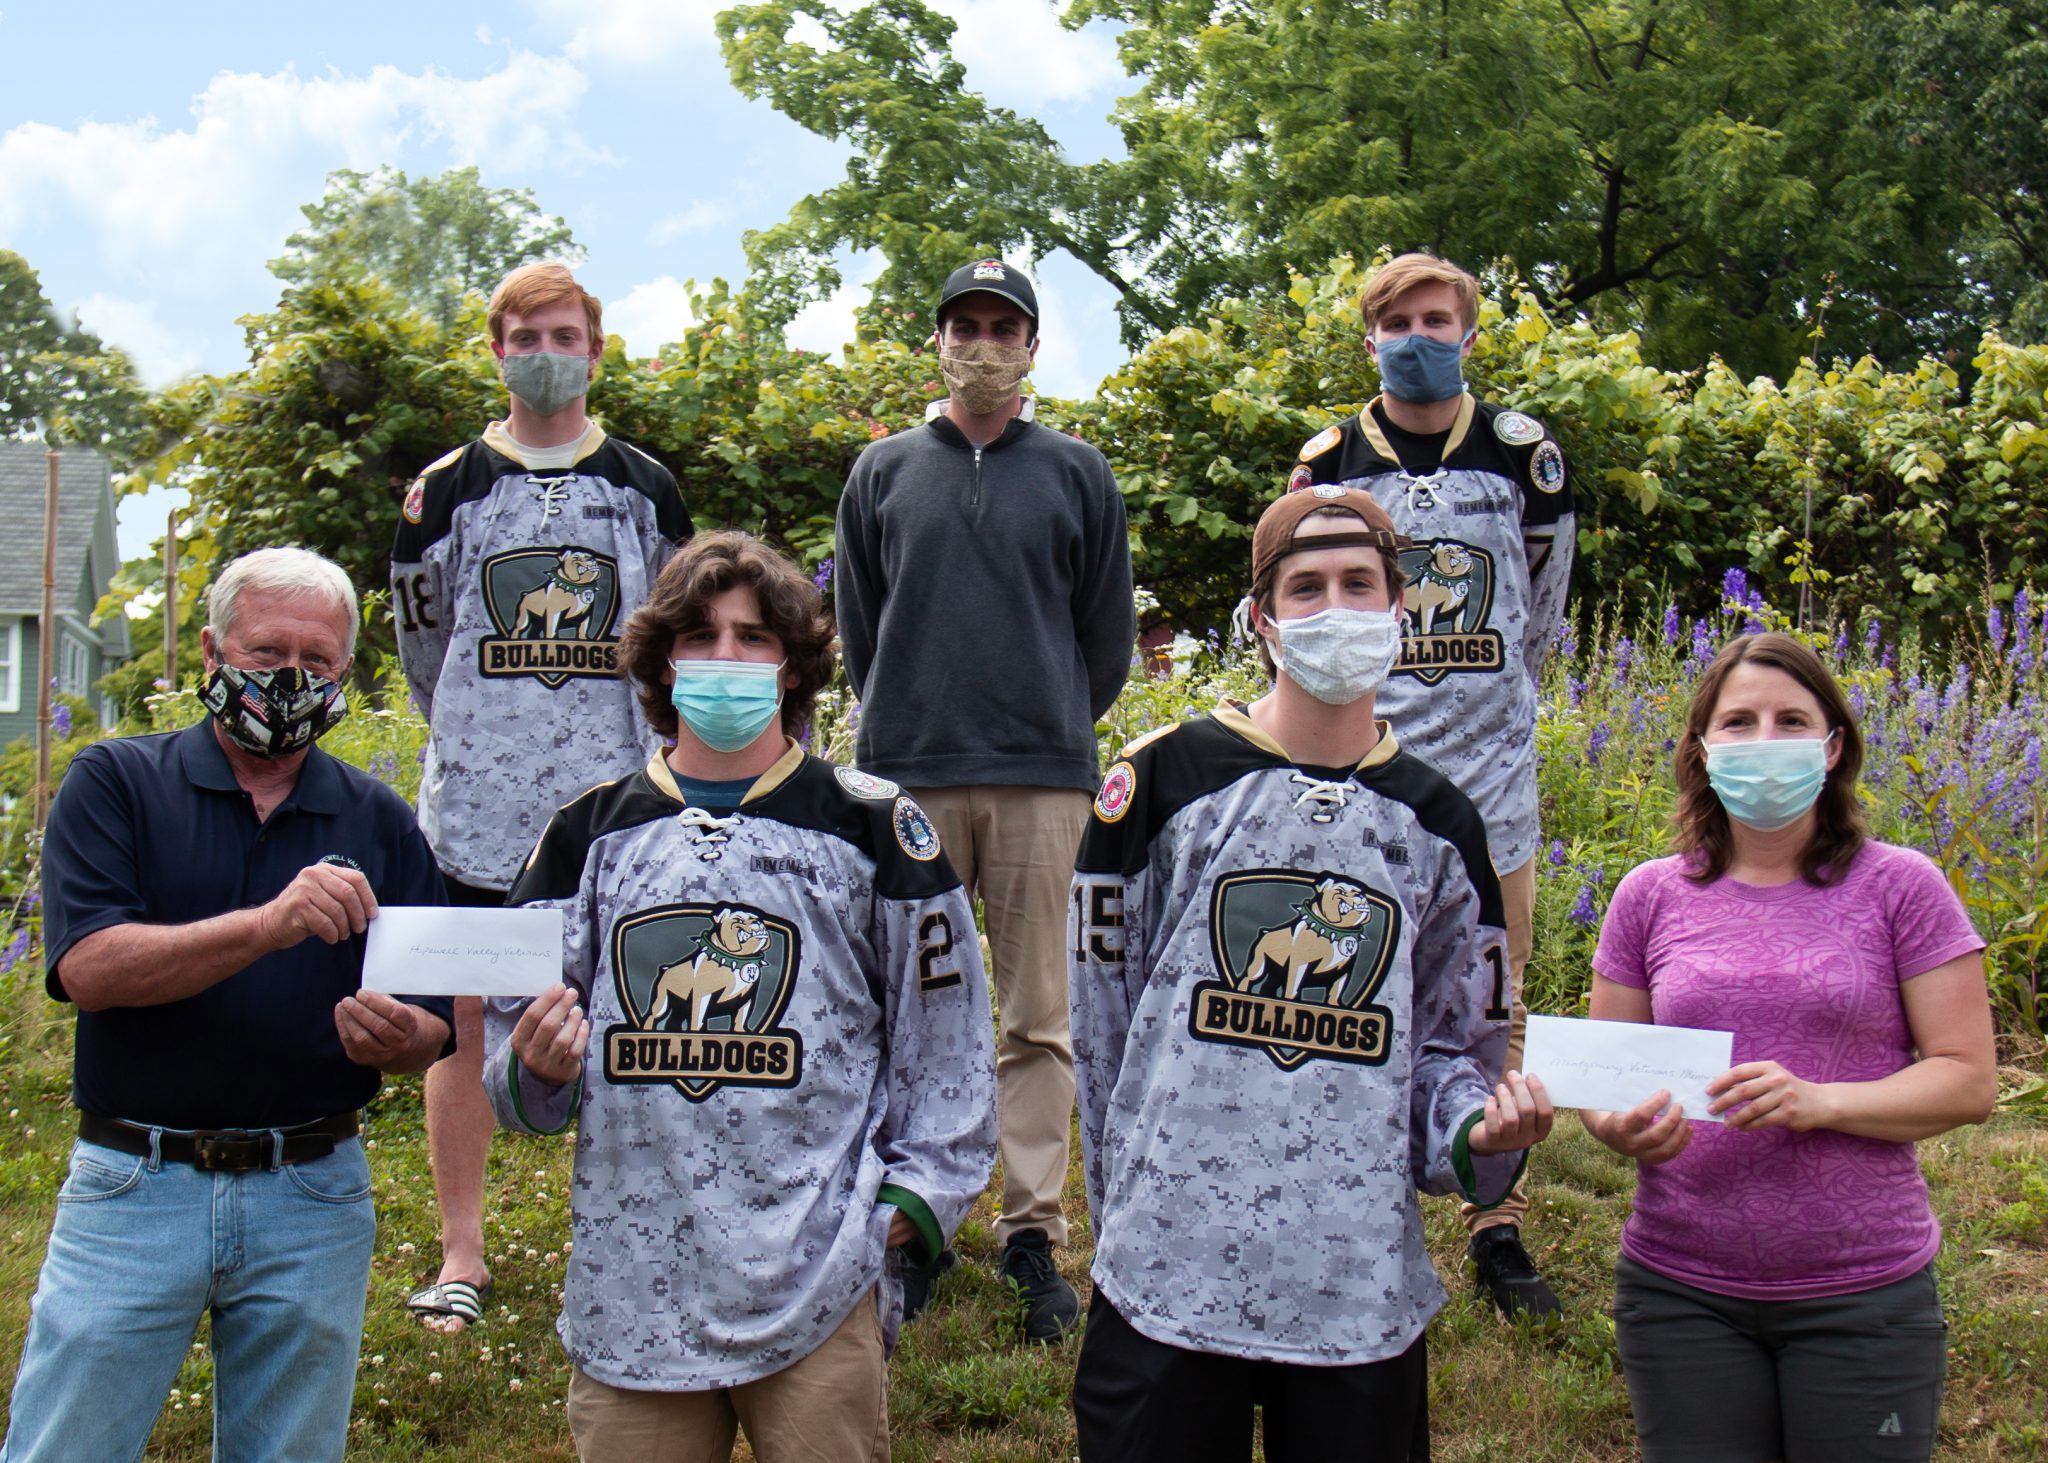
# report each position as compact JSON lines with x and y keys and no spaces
{"x":517,"y":561}
{"x":1482,"y":494}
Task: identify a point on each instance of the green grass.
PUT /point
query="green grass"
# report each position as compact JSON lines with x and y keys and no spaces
{"x":963,"y":1387}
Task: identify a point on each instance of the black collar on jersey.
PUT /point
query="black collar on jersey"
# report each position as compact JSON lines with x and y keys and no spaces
{"x":664,"y":779}
{"x":1468,"y":409}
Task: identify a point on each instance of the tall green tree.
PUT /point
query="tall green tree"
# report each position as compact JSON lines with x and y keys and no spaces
{"x":1698,"y":171}
{"x":436,"y":240}
{"x":84,"y":390}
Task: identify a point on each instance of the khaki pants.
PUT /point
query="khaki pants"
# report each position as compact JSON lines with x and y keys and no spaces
{"x":829,"y":1407}
{"x":1518,"y":900}
{"x":1015,"y":847}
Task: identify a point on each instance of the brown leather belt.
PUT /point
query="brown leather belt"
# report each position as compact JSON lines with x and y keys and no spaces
{"x":226,"y":1150}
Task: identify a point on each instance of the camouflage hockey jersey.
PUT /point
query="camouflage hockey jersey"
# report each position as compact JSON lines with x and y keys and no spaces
{"x":1289,"y":998}
{"x":1493,"y":529}
{"x":790,"y":1042}
{"x":510,"y":588}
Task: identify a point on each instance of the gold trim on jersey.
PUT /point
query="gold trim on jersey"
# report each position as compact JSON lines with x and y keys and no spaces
{"x":1233,"y":715}
{"x":499,"y":440}
{"x":663,"y":776}
{"x":1468,"y":408}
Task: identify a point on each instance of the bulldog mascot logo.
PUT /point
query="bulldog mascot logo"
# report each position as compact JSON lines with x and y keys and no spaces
{"x":1448,"y":596}
{"x":1301,"y":956}
{"x":555,"y":611}
{"x":702,"y":987}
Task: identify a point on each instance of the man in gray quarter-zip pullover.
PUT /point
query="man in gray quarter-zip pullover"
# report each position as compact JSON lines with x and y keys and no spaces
{"x":982,"y":578}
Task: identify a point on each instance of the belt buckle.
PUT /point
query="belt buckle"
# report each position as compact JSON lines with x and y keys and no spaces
{"x":229,"y":1152}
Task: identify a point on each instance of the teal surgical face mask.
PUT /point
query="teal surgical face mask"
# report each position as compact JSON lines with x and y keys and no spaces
{"x":726,"y":704}
{"x":546,"y":381}
{"x":1768,"y":785}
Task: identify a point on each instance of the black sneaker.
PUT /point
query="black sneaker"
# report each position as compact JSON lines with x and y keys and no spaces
{"x":918,"y":1281}
{"x":1050,"y":1305}
{"x":1509,"y":1275}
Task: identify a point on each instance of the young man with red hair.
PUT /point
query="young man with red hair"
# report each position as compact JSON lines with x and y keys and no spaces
{"x":518,"y":559}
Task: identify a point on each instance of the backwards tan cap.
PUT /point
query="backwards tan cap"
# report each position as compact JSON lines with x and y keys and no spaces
{"x":1274,"y":538}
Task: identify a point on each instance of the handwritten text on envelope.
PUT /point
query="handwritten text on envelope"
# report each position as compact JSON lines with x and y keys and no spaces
{"x":427,"y":950}
{"x":1619,"y":1064}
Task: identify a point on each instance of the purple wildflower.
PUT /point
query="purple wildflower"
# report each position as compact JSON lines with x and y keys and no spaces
{"x":1559,"y":858}
{"x":1994,"y":626}
{"x":1602,"y":734}
{"x":1624,"y":659}
{"x":1872,"y":635}
{"x":1671,"y":624}
{"x":1567,"y":640}
{"x":16,"y":949}
{"x":823,"y":578}
{"x":60,"y":719}
{"x":1702,"y":644}
{"x":1574,"y":690}
{"x":1583,"y":914}
{"x":1735,"y":587}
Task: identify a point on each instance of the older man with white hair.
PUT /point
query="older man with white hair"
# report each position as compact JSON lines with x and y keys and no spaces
{"x":205,"y":897}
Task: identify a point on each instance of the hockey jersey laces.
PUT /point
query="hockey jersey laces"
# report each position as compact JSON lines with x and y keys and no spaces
{"x":711,"y":831}
{"x":1328,"y":796}
{"x":1423,"y":484}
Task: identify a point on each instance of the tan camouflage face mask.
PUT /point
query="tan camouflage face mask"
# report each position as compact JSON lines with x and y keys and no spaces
{"x":983,"y":374}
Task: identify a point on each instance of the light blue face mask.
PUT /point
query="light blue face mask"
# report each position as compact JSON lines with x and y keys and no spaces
{"x":1768,"y":785}
{"x":726,"y":703}
{"x":1422,"y":369}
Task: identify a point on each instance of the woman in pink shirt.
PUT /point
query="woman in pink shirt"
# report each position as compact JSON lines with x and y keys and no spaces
{"x":1775,"y":1297}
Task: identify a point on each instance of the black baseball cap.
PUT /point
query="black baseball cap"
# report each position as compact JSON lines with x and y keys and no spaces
{"x":990,"y":277}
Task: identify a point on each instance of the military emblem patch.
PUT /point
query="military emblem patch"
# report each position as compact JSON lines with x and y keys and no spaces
{"x":1301,"y":956}
{"x":1546,"y":468}
{"x":554,"y":610}
{"x":1320,"y":443}
{"x":865,"y":784}
{"x":1300,"y":478}
{"x":1516,"y":429}
{"x":1444,"y":604}
{"x":702,"y":987}
{"x":415,"y":500}
{"x":1115,"y":798}
{"x":914,"y":831}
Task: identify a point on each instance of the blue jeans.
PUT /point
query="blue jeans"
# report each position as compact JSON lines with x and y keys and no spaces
{"x":141,"y":1248}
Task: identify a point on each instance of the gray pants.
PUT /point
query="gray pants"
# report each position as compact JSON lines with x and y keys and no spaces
{"x":1836,"y":1379}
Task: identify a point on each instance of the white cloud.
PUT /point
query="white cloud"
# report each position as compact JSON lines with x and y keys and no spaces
{"x":165,"y":201}
{"x":1016,"y":54}
{"x":1019,"y":54}
{"x":141,"y":518}
{"x":700,"y":215}
{"x":651,"y":315}
{"x":160,"y":355}
{"x":827,"y":325}
{"x":633,"y":32}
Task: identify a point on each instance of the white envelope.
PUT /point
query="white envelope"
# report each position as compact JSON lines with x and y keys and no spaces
{"x":1618,"y":1065}
{"x":434,"y":950}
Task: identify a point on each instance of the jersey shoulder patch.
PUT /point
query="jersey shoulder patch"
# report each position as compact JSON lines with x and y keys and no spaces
{"x":1546,"y":468}
{"x":1320,"y":443}
{"x":1517,"y":429}
{"x":1119,"y":785}
{"x":865,"y":784}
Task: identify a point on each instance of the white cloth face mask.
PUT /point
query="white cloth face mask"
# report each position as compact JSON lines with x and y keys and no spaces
{"x":1338,"y":655}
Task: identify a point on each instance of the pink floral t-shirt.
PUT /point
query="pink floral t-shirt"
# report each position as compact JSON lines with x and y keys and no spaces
{"x":1807,"y":977}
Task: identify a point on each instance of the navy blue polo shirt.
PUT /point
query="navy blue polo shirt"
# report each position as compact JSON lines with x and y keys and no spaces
{"x":155,"y":830}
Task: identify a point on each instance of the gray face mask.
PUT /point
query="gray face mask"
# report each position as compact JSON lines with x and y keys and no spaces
{"x":546,"y":381}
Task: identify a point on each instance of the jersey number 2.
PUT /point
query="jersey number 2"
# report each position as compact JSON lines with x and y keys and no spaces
{"x":934,"y":944}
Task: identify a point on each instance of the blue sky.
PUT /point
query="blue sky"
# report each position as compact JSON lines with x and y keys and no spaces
{"x":153,"y":158}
